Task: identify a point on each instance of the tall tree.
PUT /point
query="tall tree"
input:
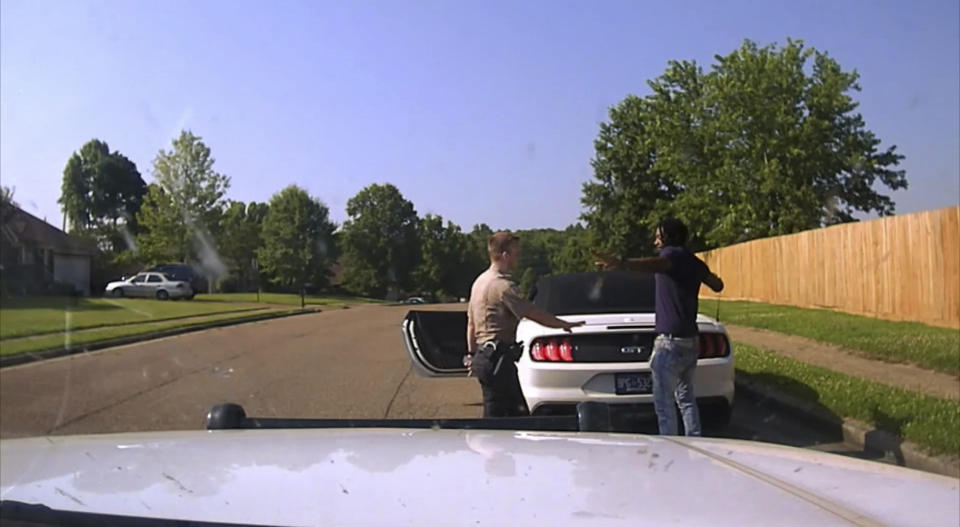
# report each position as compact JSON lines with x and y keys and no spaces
{"x":182,"y":212}
{"x":101,"y":194}
{"x":297,"y":240}
{"x":163,"y":236}
{"x":621,"y":202}
{"x":445,"y":266}
{"x":240,"y":237}
{"x":380,"y":241}
{"x":767,"y":142}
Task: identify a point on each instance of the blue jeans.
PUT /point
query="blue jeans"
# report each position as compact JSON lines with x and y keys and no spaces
{"x":674,"y":361}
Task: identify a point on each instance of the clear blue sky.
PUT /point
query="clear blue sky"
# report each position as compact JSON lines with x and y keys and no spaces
{"x":479,"y":111}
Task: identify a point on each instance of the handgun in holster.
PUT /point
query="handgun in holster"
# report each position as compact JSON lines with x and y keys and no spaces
{"x":502,"y":350}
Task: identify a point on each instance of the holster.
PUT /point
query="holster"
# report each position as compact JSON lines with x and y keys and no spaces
{"x":489,"y":359}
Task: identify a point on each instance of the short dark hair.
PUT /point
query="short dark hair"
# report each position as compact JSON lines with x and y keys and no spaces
{"x":673,"y":232}
{"x":500,"y":242}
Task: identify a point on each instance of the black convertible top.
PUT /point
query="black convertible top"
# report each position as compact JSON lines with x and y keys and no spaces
{"x":595,"y":293}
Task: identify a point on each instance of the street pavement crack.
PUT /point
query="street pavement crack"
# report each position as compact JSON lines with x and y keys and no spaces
{"x":148,"y":389}
{"x":397,"y":391}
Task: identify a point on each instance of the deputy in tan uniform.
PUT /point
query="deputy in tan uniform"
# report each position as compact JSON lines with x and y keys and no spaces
{"x":496,"y":308}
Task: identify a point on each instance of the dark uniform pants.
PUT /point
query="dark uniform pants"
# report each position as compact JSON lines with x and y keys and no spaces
{"x":496,"y":370}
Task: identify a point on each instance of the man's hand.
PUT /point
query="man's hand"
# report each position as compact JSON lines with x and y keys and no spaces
{"x":567,"y":326}
{"x":467,"y":362}
{"x":608,"y":262}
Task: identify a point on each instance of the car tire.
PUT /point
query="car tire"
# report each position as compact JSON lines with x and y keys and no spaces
{"x":118,"y":292}
{"x":190,"y":297}
{"x":162,"y":295}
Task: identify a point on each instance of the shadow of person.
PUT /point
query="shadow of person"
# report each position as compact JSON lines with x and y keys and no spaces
{"x":886,"y":436}
{"x":778,"y":409}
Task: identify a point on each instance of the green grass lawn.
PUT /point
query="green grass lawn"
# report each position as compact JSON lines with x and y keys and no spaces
{"x":23,"y":317}
{"x":905,"y":342}
{"x":60,"y":340}
{"x":928,"y":421}
{"x":286,"y":299}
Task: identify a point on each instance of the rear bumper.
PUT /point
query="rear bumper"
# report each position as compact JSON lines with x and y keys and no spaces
{"x":550,"y":383}
{"x":180,"y":293}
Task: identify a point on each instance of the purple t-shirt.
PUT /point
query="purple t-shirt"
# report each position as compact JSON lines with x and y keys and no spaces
{"x":677,"y":292}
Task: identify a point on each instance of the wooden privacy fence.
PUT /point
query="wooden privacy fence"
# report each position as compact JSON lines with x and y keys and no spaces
{"x":900,"y":268}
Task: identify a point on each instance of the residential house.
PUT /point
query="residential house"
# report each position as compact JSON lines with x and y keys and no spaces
{"x":37,"y":256}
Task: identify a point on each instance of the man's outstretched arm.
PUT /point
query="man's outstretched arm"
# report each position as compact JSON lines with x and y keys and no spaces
{"x":546,"y":319}
{"x":656,"y":264}
{"x":714,"y":282}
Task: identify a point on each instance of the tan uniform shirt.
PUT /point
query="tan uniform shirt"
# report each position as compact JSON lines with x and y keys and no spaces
{"x":496,"y":307}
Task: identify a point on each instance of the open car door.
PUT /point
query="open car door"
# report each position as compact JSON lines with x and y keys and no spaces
{"x":436,"y":342}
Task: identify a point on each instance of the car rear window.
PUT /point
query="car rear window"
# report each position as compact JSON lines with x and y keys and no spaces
{"x":595,"y":293}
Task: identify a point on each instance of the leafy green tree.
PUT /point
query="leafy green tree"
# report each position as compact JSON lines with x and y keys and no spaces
{"x":575,"y":253}
{"x":528,"y":279}
{"x":101,"y":194}
{"x":768,"y":142}
{"x":445,"y":267}
{"x":182,"y":211}
{"x":621,"y":203}
{"x":380,"y":242}
{"x":240,"y":237}
{"x":163,"y":236}
{"x":297,"y":240}
{"x":477,"y":258}
{"x":537,"y":252}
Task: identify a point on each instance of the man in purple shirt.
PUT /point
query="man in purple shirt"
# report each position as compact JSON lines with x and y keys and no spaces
{"x":678,"y":275}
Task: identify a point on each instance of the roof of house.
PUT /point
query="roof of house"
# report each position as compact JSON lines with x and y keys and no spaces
{"x":24,"y":228}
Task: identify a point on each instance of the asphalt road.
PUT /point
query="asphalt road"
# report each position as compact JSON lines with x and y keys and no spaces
{"x":338,"y":363}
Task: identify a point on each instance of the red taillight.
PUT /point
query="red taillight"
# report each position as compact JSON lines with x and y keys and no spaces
{"x":552,"y":350}
{"x":721,"y":346}
{"x":707,"y":346}
{"x":712,"y":345}
{"x":566,"y":351}
{"x":536,"y":352}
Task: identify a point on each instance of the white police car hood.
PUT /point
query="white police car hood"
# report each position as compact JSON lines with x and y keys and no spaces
{"x":456,"y":477}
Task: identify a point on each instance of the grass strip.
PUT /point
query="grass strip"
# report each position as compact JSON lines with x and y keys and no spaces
{"x":927,"y":421}
{"x":48,"y":315}
{"x":929,"y":347}
{"x":57,"y":341}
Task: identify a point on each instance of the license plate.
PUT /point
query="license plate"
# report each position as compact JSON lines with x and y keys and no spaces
{"x":633,"y":383}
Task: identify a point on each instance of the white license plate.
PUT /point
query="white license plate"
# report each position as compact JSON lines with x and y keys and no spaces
{"x":634,"y":383}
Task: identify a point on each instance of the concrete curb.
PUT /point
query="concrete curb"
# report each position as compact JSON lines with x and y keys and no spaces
{"x":855,"y":432}
{"x":36,"y":356}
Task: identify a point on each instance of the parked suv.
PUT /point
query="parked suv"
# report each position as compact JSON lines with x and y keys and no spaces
{"x":182,"y":272}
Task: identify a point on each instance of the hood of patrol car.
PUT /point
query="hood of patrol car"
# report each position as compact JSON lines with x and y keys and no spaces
{"x":455,"y":477}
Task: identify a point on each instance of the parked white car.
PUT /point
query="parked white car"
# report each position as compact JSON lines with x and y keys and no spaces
{"x":605,"y":360}
{"x":150,"y":285}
